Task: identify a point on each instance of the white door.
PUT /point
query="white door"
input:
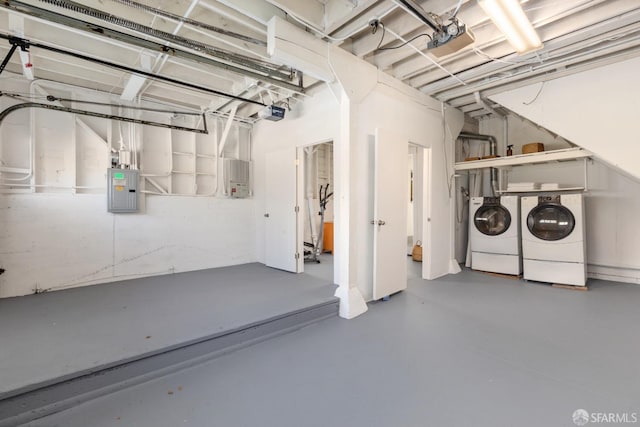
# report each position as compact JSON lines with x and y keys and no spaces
{"x":390,"y":192}
{"x":425,"y":198}
{"x":281,"y":216}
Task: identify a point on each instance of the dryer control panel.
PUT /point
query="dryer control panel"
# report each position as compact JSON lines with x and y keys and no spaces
{"x":492,"y":201}
{"x":549,"y":199}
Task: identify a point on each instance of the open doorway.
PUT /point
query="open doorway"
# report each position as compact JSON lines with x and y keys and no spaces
{"x":399,"y":194}
{"x":317,"y":209}
{"x":415,"y":212}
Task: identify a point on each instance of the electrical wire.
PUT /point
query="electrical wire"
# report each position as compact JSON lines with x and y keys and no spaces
{"x":464,"y":196}
{"x":400,"y":45}
{"x":537,"y":95}
{"x":566,"y":57}
{"x":455,"y":12}
{"x":381,"y":38}
{"x":336,"y":39}
{"x":421,"y":53}
{"x":482,"y":54}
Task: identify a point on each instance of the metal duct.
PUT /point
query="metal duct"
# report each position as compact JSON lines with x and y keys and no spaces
{"x":189,"y":21}
{"x":493,"y":150}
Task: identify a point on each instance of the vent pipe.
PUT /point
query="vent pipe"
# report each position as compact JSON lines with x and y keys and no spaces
{"x":493,"y":150}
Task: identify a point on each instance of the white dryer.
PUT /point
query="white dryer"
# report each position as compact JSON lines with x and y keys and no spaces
{"x":495,"y":234}
{"x":553,"y":239}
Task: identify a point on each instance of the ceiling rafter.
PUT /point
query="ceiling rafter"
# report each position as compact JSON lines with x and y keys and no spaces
{"x":577,"y":34}
{"x":488,"y":37}
{"x":138,"y":41}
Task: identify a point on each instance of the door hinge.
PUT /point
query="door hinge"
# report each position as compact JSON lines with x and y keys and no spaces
{"x":297,"y":209}
{"x":297,"y":256}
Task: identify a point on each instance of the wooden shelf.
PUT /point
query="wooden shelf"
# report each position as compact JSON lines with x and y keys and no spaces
{"x":524,"y":159}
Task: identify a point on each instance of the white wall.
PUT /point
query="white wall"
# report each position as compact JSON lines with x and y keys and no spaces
{"x":596,"y":109}
{"x":54,"y":241}
{"x":612,"y":204}
{"x":313,"y":121}
{"x":56,"y":235}
{"x":317,"y":120}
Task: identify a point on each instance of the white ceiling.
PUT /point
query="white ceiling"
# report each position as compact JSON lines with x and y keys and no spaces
{"x":577,"y":35}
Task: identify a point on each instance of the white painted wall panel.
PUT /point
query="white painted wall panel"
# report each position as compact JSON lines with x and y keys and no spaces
{"x":53,"y":241}
{"x":596,"y":109}
{"x":191,"y":233}
{"x":55,"y":152}
{"x":55,"y":238}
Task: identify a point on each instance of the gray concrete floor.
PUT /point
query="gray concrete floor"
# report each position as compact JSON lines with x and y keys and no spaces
{"x":465,"y":350}
{"x":49,"y":336}
{"x":322,"y":270}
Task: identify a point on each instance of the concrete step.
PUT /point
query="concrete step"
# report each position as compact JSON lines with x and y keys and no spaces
{"x":22,"y":406}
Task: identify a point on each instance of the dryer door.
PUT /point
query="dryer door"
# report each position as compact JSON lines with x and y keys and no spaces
{"x":550,"y":221}
{"x":492,"y":219}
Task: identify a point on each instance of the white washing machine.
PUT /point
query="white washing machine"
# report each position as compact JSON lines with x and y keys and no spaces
{"x":495,"y":234}
{"x":553,"y":239}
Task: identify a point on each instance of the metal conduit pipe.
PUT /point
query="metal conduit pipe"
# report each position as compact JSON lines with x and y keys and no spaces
{"x":231,"y":62}
{"x":493,"y":150}
{"x":234,"y":58}
{"x":4,"y":113}
{"x":189,"y":21}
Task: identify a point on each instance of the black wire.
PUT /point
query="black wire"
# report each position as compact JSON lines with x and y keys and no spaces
{"x":400,"y":45}
{"x":382,"y":38}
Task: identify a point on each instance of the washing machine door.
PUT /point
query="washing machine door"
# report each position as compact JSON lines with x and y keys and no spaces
{"x":550,"y":220}
{"x":492,"y":219}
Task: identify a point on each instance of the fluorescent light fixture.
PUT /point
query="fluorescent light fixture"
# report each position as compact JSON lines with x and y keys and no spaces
{"x":509,"y":17}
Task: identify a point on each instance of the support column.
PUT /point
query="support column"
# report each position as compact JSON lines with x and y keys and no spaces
{"x":451,"y":127}
{"x":352,"y":303}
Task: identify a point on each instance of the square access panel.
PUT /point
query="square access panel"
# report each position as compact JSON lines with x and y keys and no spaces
{"x":122,"y":190}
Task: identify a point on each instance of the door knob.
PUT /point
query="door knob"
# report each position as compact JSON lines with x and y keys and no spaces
{"x":266,"y":215}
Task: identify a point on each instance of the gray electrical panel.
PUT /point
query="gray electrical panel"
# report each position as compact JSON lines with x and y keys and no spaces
{"x":237,"y":178}
{"x":122,"y":190}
